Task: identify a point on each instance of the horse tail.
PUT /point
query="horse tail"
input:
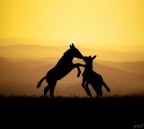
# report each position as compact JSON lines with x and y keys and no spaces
{"x":105,"y":85}
{"x":40,"y":82}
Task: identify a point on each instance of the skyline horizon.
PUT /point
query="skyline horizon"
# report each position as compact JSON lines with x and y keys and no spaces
{"x":31,"y":72}
{"x":36,"y":32}
{"x":46,"y":48}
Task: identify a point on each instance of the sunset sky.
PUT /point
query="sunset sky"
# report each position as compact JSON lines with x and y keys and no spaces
{"x":82,"y":21}
{"x":116,"y":25}
{"x":43,"y":29}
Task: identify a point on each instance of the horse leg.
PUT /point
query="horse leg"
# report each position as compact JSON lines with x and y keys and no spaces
{"x":77,"y":65}
{"x":46,"y":90}
{"x":100,"y":91}
{"x":85,"y":86}
{"x":52,"y":87}
{"x":87,"y":89}
{"x":96,"y":90}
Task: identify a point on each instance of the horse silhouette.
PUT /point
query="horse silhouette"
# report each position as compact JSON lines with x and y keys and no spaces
{"x":93,"y":78}
{"x":62,"y":68}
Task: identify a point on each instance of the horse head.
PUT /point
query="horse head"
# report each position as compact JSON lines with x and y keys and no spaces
{"x":88,"y":59}
{"x":75,"y":52}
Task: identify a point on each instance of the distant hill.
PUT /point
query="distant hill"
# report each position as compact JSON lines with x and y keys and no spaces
{"x":21,"y":77}
{"x":132,"y":66}
{"x":30,"y":51}
{"x":22,"y":66}
{"x":34,"y":49}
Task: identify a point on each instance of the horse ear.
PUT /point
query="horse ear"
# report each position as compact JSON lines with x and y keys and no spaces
{"x":70,"y":46}
{"x":94,"y":57}
{"x":73,"y":45}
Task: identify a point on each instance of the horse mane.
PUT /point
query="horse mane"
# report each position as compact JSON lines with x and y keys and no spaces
{"x":67,"y":53}
{"x":64,"y":57}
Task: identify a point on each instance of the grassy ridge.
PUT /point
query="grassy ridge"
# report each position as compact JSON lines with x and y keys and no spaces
{"x":114,"y":112}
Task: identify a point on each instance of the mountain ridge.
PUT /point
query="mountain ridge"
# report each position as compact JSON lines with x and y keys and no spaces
{"x":40,"y":51}
{"x":18,"y":78}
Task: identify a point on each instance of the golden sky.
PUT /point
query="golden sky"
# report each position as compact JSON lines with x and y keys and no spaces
{"x":82,"y":21}
{"x":110,"y":24}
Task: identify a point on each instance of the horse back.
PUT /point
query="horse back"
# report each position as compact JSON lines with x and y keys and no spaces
{"x":92,"y":76}
{"x":59,"y":71}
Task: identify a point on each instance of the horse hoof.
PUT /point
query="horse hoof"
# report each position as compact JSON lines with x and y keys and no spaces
{"x":78,"y":75}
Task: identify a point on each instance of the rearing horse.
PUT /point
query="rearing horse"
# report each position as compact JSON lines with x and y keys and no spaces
{"x":62,"y":68}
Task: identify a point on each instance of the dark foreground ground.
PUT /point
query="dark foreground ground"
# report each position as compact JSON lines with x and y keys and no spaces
{"x":61,"y":112}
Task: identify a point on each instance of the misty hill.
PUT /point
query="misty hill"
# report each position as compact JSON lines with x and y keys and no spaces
{"x":21,"y":78}
{"x":30,"y":51}
{"x":132,"y":66}
{"x":53,"y":50}
{"x":34,"y":49}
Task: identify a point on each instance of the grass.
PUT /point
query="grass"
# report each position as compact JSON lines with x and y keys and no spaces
{"x":115,"y":112}
{"x":126,"y":101}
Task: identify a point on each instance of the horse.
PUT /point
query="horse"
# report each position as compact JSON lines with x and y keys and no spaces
{"x":93,"y":78}
{"x":61,"y":69}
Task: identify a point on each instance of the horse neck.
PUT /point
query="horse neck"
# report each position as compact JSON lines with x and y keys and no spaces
{"x":88,"y":67}
{"x":65,"y":59}
{"x":67,"y":56}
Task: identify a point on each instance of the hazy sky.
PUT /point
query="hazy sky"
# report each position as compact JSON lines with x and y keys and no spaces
{"x":115,"y":25}
{"x":81,"y":21}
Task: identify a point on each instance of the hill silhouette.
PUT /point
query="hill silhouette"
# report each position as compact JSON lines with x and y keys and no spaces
{"x":30,"y":62}
{"x":121,"y":82}
{"x":31,"y":49}
{"x":132,"y":66}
